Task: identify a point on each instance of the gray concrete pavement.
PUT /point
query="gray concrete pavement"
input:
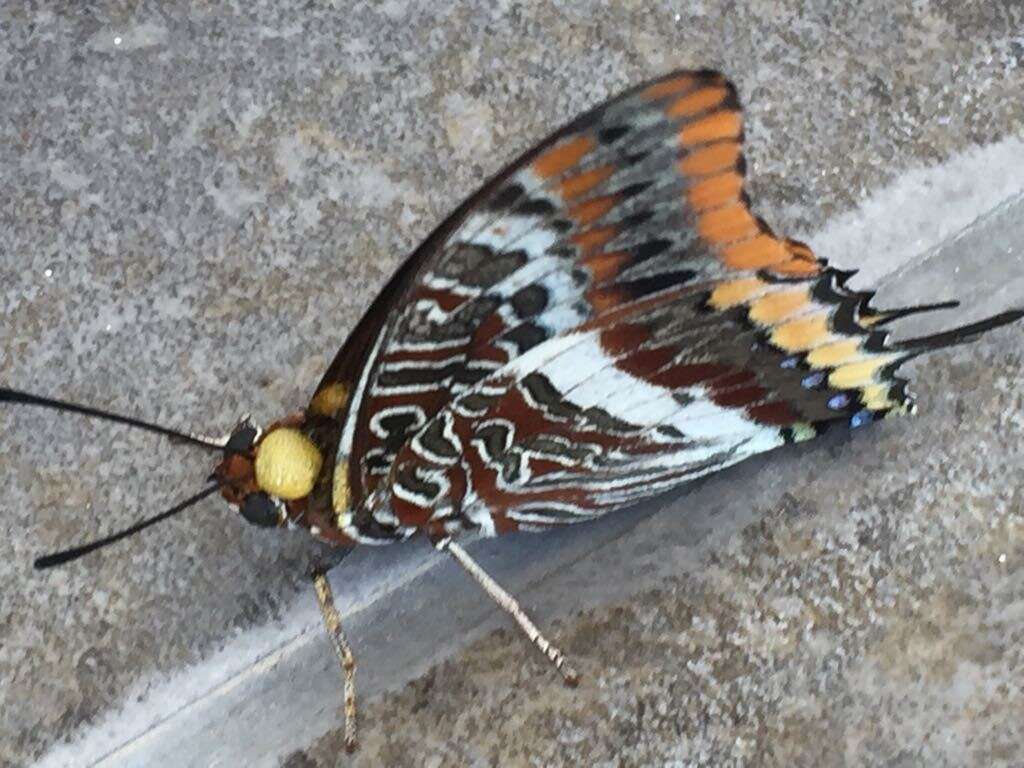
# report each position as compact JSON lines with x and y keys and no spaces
{"x":198,"y":202}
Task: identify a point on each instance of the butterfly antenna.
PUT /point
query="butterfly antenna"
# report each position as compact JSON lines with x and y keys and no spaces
{"x":67,"y":555}
{"x":26,"y":398}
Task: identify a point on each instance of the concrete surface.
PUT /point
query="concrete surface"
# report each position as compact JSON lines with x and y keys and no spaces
{"x":198,"y":201}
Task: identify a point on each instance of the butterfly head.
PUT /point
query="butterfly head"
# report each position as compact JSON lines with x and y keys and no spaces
{"x":262,"y":473}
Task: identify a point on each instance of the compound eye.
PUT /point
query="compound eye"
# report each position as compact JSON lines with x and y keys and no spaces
{"x":259,"y":509}
{"x":242,"y":439}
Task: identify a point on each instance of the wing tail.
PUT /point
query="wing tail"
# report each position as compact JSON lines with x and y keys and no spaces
{"x":885,"y":316}
{"x":960,"y":335}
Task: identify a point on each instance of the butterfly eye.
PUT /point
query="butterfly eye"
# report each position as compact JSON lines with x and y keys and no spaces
{"x":242,"y":439}
{"x":260,"y":509}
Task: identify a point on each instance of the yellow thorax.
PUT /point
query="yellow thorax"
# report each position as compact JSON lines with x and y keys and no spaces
{"x":287,"y":464}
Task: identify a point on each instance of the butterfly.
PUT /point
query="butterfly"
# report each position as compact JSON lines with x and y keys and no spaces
{"x":605,"y":320}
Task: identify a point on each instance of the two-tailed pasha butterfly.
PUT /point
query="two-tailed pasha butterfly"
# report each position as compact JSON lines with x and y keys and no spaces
{"x":604,"y":320}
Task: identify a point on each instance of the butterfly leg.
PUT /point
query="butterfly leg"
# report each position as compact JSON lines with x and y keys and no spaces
{"x":332,"y":622}
{"x":509,"y":604}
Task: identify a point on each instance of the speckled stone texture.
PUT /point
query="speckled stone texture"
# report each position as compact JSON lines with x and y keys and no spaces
{"x":198,"y":201}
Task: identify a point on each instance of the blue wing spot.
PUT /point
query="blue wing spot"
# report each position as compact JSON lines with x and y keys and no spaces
{"x":838,"y":402}
{"x":814,"y":380}
{"x":860,"y":418}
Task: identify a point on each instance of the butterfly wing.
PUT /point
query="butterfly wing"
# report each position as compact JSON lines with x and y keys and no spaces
{"x":605,"y":319}
{"x":649,"y":394}
{"x":610,"y":206}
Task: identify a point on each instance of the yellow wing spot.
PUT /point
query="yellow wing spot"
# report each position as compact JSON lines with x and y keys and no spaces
{"x":835,"y":354}
{"x":859,"y":374}
{"x":287,"y":464}
{"x":876,"y":397}
{"x":869,"y":321}
{"x":803,"y":334}
{"x":775,"y":307}
{"x":340,"y":496}
{"x":736,"y":292}
{"x":330,"y":400}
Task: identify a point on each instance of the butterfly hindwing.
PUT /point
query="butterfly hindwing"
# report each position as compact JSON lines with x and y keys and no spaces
{"x":640,"y":399}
